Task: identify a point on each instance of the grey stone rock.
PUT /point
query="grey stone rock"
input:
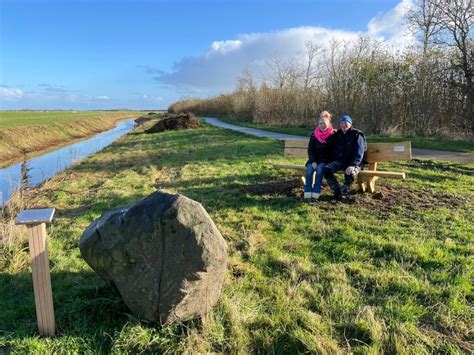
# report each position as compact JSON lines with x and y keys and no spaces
{"x":164,"y":254}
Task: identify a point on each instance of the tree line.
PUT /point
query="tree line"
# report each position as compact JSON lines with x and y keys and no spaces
{"x":426,"y":89}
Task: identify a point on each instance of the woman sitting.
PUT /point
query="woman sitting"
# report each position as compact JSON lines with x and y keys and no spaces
{"x":318,"y":155}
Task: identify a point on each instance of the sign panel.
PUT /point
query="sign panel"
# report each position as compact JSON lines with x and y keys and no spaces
{"x":42,"y":215}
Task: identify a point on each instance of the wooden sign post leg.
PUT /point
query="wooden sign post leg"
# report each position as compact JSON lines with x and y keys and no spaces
{"x":41,"y":278}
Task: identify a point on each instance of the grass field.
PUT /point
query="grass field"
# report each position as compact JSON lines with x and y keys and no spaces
{"x":390,"y":272}
{"x":10,"y":119}
{"x":24,"y":132}
{"x":416,"y":141}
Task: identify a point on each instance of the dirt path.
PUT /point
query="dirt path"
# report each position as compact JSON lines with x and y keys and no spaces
{"x":463,"y":158}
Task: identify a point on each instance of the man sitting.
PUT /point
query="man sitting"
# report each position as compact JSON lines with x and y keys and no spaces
{"x":347,"y":154}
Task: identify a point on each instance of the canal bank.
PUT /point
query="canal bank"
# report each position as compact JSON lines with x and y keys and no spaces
{"x":26,"y":134}
{"x":45,"y":166}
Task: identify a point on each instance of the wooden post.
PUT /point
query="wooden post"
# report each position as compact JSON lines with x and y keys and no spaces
{"x":368,"y":183}
{"x":35,"y":221}
{"x":373,"y":179}
{"x":362,"y":184}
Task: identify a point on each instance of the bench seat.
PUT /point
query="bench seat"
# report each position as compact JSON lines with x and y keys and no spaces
{"x":366,"y":173}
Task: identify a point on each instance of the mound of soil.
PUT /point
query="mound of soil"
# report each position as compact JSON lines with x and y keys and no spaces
{"x":143,"y":119}
{"x":175,"y":122}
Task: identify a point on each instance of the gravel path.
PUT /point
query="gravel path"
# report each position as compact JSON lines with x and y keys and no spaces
{"x":463,"y":158}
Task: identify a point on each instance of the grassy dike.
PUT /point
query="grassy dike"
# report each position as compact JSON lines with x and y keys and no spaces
{"x":389,"y":272}
{"x":26,"y":132}
{"x":435,"y":143}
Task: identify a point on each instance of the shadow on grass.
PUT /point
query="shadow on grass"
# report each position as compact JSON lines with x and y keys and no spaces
{"x":83,"y":303}
{"x":213,"y":145}
{"x":85,"y":306}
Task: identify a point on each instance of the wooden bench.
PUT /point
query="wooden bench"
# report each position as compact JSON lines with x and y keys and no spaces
{"x":376,"y":152}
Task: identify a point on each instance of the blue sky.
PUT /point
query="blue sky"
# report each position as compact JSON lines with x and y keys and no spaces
{"x":146,"y":54}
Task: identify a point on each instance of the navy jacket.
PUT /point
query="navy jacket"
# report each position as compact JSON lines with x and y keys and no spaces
{"x":319,"y":152}
{"x":348,"y":148}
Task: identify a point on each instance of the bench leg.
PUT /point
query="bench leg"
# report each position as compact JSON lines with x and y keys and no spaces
{"x":367,"y":184}
{"x":371,"y":184}
{"x":362,"y":184}
{"x":371,"y":181}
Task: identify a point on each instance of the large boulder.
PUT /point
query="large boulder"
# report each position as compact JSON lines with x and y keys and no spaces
{"x":164,"y":254}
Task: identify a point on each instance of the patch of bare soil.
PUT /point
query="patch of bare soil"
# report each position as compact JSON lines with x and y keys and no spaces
{"x":385,"y":200}
{"x":175,"y":122}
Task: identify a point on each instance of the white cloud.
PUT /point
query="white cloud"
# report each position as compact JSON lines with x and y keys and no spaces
{"x":225,"y":46}
{"x":152,"y":98}
{"x":48,"y":94}
{"x":13,"y":99}
{"x":8,"y":93}
{"x":391,"y":26}
{"x":215,"y":70}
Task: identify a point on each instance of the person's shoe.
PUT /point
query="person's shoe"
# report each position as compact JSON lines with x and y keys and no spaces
{"x":337,"y":194}
{"x":315,"y":195}
{"x":344,"y":192}
{"x":307,"y":195}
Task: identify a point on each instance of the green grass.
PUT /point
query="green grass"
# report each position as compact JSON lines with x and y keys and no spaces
{"x":417,"y":141}
{"x":10,"y":119}
{"x":390,"y":272}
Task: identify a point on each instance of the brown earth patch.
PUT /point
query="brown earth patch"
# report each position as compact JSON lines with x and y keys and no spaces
{"x":175,"y":122}
{"x":386,"y":200}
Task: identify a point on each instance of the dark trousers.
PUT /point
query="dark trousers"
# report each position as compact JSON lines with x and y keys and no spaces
{"x":331,"y":168}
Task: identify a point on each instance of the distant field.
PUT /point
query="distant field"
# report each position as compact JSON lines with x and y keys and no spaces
{"x":10,"y":119}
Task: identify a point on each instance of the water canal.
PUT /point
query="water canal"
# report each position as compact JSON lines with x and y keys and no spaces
{"x":44,"y":167}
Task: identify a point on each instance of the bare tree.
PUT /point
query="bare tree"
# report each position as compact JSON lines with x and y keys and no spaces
{"x":245,"y":81}
{"x":310,"y":74}
{"x":456,"y":18}
{"x":423,"y":18}
{"x":284,"y":72}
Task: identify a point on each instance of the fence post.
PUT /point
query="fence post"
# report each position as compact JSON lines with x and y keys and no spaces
{"x":35,"y":221}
